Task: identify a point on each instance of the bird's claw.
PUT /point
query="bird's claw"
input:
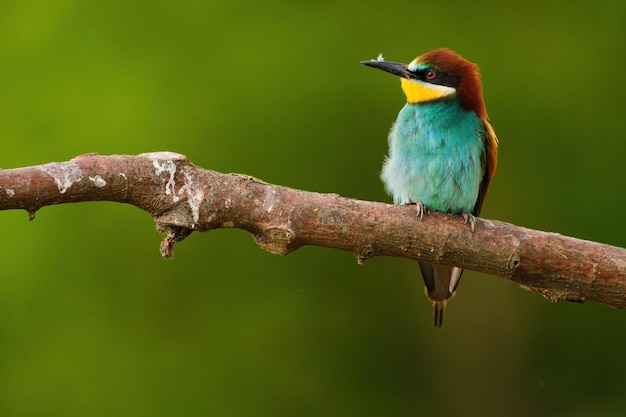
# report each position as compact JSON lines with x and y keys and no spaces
{"x":420,"y":210}
{"x":469,"y":218}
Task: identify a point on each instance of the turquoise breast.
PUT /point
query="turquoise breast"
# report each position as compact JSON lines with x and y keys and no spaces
{"x":435,"y":157}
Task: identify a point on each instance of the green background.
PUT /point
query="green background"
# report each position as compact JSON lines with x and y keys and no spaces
{"x":93,"y":322}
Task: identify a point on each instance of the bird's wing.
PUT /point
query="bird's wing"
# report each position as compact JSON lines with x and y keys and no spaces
{"x":440,"y":280}
{"x":489,"y":162}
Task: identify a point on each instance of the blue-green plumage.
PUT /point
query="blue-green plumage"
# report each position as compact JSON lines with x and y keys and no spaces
{"x":436,"y":157}
{"x":442,"y":150}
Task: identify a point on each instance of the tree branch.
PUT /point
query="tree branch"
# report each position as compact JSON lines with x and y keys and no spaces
{"x":183,"y":198}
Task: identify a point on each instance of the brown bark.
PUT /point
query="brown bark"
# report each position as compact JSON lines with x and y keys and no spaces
{"x":183,"y":198}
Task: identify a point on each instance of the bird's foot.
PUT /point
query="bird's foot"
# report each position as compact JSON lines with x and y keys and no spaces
{"x":421,"y":209}
{"x":469,"y":218}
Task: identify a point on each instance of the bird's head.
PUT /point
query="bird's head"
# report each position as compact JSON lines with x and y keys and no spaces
{"x":438,"y":75}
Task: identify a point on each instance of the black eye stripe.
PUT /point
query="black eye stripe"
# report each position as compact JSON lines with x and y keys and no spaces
{"x":442,"y":78}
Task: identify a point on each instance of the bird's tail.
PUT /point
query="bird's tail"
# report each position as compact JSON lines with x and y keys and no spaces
{"x":441,"y":282}
{"x":438,"y":309}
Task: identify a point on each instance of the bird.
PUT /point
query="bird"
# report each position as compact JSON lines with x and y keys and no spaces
{"x":443,"y":151}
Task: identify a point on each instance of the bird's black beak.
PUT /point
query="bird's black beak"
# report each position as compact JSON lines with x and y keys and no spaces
{"x":395,"y":68}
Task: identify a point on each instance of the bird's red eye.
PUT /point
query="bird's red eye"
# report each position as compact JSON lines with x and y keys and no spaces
{"x":430,"y":74}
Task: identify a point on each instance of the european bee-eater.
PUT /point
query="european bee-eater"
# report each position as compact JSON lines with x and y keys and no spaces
{"x":442,"y":149}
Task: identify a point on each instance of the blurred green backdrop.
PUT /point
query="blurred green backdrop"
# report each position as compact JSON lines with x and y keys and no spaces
{"x":93,"y":322}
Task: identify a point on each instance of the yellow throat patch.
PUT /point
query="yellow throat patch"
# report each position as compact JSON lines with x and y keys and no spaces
{"x":419,"y":92}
